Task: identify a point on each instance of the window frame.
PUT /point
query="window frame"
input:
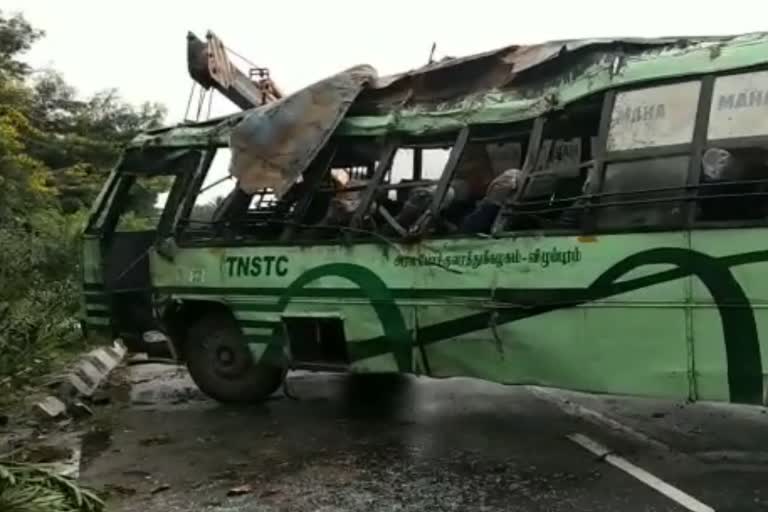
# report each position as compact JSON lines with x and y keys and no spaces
{"x":606,"y":157}
{"x":534,"y":147}
{"x":724,"y":143}
{"x":109,"y":207}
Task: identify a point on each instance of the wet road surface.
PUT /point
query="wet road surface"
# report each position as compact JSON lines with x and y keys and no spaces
{"x":394,"y":443}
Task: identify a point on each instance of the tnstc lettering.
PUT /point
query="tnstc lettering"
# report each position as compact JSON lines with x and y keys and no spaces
{"x":255,"y":266}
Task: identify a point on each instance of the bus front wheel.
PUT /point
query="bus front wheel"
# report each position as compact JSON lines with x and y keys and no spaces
{"x":222,"y":366}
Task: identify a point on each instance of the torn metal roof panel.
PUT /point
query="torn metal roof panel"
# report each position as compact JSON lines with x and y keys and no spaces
{"x":510,"y":84}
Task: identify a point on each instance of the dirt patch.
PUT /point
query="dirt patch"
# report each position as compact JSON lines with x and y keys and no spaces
{"x":44,"y":453}
{"x":96,"y":441}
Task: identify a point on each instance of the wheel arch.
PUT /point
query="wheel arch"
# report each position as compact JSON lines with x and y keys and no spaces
{"x":179,"y":317}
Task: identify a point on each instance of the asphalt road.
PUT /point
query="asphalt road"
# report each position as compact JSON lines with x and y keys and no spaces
{"x":376,"y":443}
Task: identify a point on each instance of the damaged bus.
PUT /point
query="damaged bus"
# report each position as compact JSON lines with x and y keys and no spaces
{"x":584,"y":214}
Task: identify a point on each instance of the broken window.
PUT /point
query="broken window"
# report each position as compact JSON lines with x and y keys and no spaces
{"x":452,"y":187}
{"x":144,"y":203}
{"x":368,"y":189}
{"x":223,"y":210}
{"x":551,"y":195}
{"x":410,"y":185}
{"x":217,"y":186}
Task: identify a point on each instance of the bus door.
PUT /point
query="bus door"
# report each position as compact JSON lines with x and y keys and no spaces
{"x":138,"y":211}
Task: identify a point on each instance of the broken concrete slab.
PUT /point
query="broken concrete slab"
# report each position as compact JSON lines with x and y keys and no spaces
{"x":50,"y":407}
{"x":91,"y":371}
{"x":81,"y":382}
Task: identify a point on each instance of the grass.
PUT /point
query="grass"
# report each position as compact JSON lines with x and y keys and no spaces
{"x":37,"y":488}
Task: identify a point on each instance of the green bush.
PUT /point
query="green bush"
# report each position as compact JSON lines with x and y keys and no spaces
{"x":38,"y":295}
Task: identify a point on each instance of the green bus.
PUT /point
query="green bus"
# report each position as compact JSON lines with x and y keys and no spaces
{"x":626,"y":260}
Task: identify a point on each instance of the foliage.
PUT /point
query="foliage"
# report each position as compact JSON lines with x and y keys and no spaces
{"x":39,"y":298}
{"x":79,"y":140}
{"x":35,"y":488}
{"x":16,"y":37}
{"x":56,"y":149}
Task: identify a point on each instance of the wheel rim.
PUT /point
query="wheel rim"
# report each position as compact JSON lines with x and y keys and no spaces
{"x":228,"y":359}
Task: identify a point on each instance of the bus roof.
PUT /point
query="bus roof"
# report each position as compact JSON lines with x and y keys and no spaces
{"x":510,"y":84}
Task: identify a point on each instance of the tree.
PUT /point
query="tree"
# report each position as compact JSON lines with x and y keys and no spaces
{"x":77,"y":139}
{"x":80,"y":140}
{"x":56,"y":149}
{"x":16,"y":37}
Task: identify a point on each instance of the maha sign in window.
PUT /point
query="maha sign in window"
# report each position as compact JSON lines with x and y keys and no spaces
{"x":739,"y":106}
{"x":655,"y":116}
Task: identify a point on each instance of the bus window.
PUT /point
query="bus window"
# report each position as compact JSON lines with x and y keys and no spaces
{"x":633,"y":183}
{"x":410,"y":177}
{"x":655,"y":116}
{"x":218,"y":184}
{"x":408,"y":165}
{"x":222,"y":209}
{"x":335,"y":184}
{"x":505,"y":155}
{"x":552,"y":193}
{"x":739,"y":104}
{"x":144,"y":203}
{"x":734,"y":165}
{"x":657,"y":124}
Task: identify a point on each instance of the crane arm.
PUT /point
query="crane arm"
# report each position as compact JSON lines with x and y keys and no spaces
{"x":209,"y":66}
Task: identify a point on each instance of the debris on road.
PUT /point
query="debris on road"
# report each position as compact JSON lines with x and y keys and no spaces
{"x":90,"y":372}
{"x":160,"y":488}
{"x":79,"y":410}
{"x":240,"y":490}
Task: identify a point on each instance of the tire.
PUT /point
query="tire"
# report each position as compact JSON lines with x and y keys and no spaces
{"x":222,"y":366}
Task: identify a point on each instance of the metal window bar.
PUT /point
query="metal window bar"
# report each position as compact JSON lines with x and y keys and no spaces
{"x":417,"y":163}
{"x":383,"y":167}
{"x":193,"y":188}
{"x":384,"y":186}
{"x":318,"y":170}
{"x":699,"y":141}
{"x":682,"y":189}
{"x":448,"y":171}
{"x":531,"y":157}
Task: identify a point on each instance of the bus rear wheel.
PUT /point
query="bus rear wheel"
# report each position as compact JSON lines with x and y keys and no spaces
{"x":222,"y":366}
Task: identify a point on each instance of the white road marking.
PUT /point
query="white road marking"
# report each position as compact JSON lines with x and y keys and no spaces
{"x":644,"y":476}
{"x":573,"y":409}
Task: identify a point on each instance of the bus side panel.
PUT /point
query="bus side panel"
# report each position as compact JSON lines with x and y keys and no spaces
{"x":555,"y":315}
{"x":602,"y":349}
{"x":604,"y":314}
{"x":265,"y":285}
{"x":730,"y":314}
{"x":465,"y":354}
